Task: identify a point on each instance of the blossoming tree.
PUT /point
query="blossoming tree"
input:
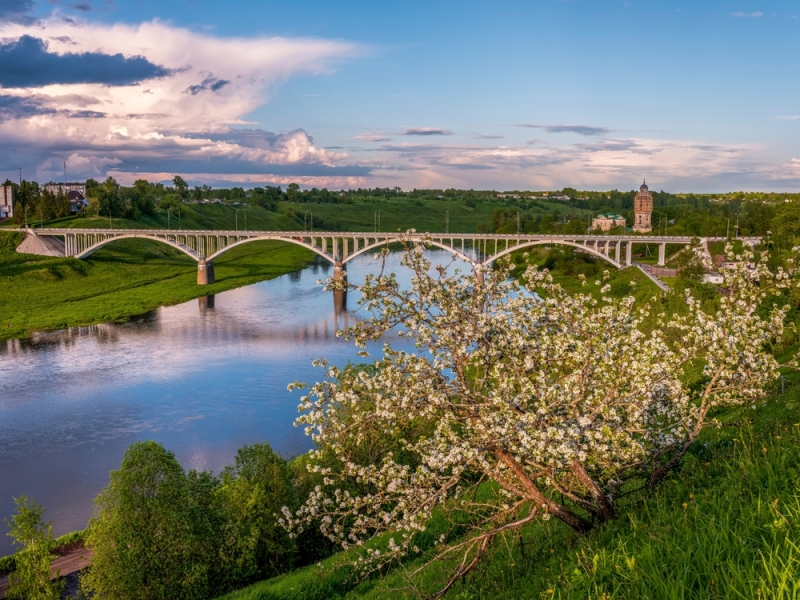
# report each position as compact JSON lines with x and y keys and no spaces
{"x":520,"y":402}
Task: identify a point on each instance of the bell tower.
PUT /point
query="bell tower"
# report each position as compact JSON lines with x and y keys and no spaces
{"x":643,"y":210}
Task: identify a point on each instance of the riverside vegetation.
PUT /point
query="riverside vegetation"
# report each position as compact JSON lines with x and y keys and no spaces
{"x":130,"y":277}
{"x":469,"y":526}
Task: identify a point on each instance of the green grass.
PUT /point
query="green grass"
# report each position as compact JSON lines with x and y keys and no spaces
{"x":727,"y":525}
{"x":125,"y":278}
{"x":402,"y":214}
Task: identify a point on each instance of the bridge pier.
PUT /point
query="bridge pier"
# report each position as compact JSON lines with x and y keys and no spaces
{"x":340,"y":293}
{"x":628,"y":254}
{"x":205,"y":272}
{"x":662,"y":253}
{"x":339,"y":271}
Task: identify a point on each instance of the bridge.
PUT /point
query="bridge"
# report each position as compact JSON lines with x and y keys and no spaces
{"x":480,"y":250}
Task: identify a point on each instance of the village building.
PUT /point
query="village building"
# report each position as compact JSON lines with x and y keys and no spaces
{"x":7,"y":201}
{"x":66,"y":188}
{"x":643,"y":210}
{"x":606,"y":221}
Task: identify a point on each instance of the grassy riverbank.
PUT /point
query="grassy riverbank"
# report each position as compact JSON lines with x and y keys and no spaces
{"x":727,"y":525}
{"x":126,"y":278}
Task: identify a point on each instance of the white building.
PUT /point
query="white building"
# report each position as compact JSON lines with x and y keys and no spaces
{"x":606,"y":221}
{"x":7,"y":201}
{"x":56,"y":188}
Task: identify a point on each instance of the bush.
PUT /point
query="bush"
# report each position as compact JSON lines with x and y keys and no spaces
{"x":252,"y":494}
{"x":150,"y":537}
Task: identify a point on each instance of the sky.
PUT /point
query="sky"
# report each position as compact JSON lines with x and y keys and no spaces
{"x":502,"y":95}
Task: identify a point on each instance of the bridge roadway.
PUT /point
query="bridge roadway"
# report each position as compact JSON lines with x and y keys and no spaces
{"x":480,"y":250}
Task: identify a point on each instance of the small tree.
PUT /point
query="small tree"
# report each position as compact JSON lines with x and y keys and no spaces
{"x":145,"y":539}
{"x":537,"y":406}
{"x":253,"y":493}
{"x":31,"y":579}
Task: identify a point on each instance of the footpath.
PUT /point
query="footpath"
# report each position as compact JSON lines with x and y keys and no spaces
{"x":64,"y":566}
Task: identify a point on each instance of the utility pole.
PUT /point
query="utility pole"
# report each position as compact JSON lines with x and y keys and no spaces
{"x":737,"y":225}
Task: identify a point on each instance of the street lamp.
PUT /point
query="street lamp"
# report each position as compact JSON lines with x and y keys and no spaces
{"x":305,"y":220}
{"x":169,"y":219}
{"x":447,"y":221}
{"x":237,"y":218}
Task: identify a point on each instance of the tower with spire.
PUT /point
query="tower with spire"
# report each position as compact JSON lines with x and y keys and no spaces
{"x":643,"y":210}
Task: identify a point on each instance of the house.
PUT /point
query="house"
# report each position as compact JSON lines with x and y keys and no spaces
{"x":606,"y":221}
{"x":77,"y":202}
{"x":7,"y":201}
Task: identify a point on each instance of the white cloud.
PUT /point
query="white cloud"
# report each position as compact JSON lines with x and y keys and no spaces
{"x":372,"y":137}
{"x":598,"y":164}
{"x":214,"y":83}
{"x":745,"y":15}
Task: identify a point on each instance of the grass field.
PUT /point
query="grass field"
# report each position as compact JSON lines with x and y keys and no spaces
{"x":725,"y":526}
{"x":123,"y":279}
{"x":403,"y":214}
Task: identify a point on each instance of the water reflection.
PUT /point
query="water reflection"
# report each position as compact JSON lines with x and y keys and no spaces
{"x":203,"y":378}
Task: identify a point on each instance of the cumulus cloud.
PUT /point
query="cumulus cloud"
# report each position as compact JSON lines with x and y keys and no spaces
{"x":152,"y":96}
{"x":426,"y":131}
{"x":26,"y":63}
{"x":579,"y":129}
{"x":746,"y":15}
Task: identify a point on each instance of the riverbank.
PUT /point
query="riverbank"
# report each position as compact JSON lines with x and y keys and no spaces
{"x":122,"y":280}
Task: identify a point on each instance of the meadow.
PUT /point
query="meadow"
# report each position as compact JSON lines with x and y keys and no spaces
{"x":123,"y":279}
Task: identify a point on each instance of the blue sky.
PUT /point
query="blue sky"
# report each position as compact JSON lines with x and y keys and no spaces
{"x":501,"y":95}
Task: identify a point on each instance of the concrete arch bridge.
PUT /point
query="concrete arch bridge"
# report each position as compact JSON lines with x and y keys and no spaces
{"x":480,"y":250}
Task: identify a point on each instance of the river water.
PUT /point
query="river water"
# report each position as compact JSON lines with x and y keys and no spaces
{"x":203,"y":378}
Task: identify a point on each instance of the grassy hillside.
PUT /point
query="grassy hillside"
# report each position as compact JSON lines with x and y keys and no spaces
{"x":726,"y":526}
{"x":408,"y":213}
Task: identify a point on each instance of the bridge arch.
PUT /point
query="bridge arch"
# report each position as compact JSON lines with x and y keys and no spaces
{"x":586,"y":249}
{"x":426,"y":241}
{"x":91,"y":249}
{"x":277,"y":238}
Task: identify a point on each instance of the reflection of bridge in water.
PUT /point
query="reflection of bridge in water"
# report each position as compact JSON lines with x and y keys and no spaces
{"x":219,"y":325}
{"x":480,"y":250}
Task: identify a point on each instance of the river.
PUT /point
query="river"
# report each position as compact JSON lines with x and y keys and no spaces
{"x":203,"y":378}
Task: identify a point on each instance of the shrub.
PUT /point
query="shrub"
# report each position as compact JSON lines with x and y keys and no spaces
{"x":148,"y":538}
{"x":563,"y":405}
